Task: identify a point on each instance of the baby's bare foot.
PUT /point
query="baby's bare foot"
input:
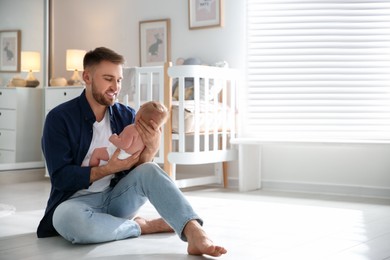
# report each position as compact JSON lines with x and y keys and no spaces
{"x":153,"y":226}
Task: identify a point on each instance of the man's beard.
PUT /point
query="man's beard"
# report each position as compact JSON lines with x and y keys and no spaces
{"x":100,"y":98}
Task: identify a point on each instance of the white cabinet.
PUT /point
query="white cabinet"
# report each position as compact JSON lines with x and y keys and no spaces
{"x":21,"y":119}
{"x":57,"y":95}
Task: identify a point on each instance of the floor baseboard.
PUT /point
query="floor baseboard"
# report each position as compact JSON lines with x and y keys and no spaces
{"x":327,"y":188}
{"x":20,"y":176}
{"x":30,"y":175}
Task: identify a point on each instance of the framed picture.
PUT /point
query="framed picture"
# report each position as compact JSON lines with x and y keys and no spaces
{"x":154,"y":42}
{"x":205,"y":13}
{"x":10,"y":51}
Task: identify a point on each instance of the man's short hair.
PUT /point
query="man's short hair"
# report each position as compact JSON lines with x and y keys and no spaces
{"x":100,"y":54}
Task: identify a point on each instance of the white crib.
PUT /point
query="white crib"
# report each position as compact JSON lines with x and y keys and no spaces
{"x":199,"y":130}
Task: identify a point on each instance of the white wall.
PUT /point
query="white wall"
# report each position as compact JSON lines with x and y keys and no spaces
{"x":114,"y":24}
{"x":27,"y":16}
{"x":331,"y":168}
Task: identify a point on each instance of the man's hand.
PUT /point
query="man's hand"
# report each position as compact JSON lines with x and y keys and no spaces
{"x":150,"y":134}
{"x":114,"y":165}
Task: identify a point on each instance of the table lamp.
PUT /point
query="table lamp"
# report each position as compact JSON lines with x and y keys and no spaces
{"x":74,"y":62}
{"x":31,"y":62}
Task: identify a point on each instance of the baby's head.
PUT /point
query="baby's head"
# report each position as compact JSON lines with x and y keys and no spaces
{"x":153,"y":110}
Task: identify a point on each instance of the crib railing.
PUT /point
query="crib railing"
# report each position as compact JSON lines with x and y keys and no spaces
{"x":213,"y":112}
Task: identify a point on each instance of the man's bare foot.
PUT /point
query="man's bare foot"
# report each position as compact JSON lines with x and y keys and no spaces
{"x":198,"y":241}
{"x":153,"y":226}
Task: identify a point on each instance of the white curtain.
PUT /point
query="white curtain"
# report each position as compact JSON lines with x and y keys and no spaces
{"x":317,"y":69}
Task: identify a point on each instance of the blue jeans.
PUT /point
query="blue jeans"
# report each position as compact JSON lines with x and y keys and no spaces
{"x":106,"y":216}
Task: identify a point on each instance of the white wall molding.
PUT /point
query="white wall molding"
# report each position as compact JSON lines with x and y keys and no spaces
{"x":19,"y":176}
{"x":327,"y":188}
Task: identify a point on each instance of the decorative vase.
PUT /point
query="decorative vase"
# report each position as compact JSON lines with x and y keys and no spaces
{"x":58,"y":82}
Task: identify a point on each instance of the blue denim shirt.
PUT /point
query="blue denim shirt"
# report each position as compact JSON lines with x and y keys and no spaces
{"x":67,"y":134}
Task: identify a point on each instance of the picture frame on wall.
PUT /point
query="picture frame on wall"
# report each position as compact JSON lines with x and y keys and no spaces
{"x":205,"y":14}
{"x":10,"y":41}
{"x":154,"y":41}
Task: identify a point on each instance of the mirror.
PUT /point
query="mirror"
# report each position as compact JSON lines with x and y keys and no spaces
{"x":30,"y":17}
{"x":76,"y":25}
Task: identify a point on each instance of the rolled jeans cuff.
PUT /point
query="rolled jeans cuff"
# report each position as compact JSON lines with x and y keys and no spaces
{"x":181,"y":233}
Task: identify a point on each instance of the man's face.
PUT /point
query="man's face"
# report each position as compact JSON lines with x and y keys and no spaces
{"x":105,"y":82}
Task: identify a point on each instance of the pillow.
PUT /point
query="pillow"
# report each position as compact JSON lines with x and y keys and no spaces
{"x":189,"y":82}
{"x":189,"y":89}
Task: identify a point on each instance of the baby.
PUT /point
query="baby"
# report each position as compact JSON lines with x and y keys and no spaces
{"x":129,"y":140}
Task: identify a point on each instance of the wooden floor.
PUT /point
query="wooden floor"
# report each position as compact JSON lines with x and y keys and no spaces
{"x":253,"y":225}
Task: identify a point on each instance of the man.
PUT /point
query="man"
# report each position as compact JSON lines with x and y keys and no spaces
{"x":98,"y":204}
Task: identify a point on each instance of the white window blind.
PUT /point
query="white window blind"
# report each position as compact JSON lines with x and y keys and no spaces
{"x":318,"y":69}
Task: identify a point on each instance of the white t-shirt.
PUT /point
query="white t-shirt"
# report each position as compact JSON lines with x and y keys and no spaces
{"x":101,"y":133}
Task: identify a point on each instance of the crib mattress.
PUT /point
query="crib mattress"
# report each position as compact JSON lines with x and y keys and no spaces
{"x":209,"y":116}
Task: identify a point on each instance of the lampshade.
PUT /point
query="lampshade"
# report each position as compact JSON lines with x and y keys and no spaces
{"x":74,"y":60}
{"x":31,"y":61}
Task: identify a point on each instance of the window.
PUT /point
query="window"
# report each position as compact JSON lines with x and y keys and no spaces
{"x":318,"y":69}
